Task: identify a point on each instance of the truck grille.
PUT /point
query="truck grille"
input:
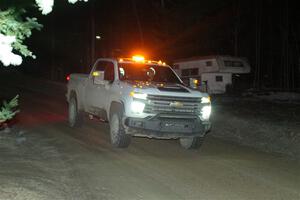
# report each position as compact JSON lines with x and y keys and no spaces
{"x":173,"y":105}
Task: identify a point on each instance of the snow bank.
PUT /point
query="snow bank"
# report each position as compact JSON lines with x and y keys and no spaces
{"x":291,"y":97}
{"x":270,"y":127}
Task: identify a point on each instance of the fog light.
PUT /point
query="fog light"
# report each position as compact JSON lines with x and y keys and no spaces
{"x":206,"y":110}
{"x":137,"y":107}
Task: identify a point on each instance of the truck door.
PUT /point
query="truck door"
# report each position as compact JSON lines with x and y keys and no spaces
{"x":95,"y":90}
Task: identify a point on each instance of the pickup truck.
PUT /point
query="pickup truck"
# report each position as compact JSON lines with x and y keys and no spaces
{"x":139,"y":97}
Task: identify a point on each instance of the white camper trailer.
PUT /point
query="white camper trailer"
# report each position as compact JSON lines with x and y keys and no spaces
{"x":213,"y":72}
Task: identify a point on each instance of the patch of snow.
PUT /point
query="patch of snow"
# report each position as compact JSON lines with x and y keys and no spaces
{"x":7,"y":57}
{"x":45,"y":6}
{"x":74,"y":1}
{"x":280,"y":96}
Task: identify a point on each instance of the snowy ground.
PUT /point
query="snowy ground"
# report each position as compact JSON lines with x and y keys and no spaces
{"x":273,"y":96}
{"x":267,"y":125}
{"x":267,"y":121}
{"x":42,"y":158}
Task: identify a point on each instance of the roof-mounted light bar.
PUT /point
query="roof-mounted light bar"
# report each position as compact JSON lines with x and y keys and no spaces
{"x":138,"y":58}
{"x":141,"y":59}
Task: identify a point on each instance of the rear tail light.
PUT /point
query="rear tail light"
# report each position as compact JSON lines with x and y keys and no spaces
{"x":68,"y":77}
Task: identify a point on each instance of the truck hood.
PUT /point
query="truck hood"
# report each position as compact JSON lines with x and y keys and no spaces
{"x":170,"y":89}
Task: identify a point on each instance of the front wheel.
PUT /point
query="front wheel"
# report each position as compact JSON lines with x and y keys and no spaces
{"x":117,"y":132}
{"x":191,"y":143}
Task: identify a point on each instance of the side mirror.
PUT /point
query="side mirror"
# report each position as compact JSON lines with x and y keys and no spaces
{"x":98,"y":77}
{"x":194,"y":83}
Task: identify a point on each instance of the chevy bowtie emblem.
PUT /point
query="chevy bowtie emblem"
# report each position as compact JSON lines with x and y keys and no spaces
{"x":176,"y":104}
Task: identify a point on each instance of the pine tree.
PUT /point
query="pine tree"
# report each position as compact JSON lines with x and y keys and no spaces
{"x":8,"y":110}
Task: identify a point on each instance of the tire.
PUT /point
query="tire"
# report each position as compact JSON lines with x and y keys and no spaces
{"x":191,"y":143}
{"x":75,"y":117}
{"x":118,"y":136}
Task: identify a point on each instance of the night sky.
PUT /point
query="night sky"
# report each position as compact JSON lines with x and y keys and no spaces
{"x":266,"y":32}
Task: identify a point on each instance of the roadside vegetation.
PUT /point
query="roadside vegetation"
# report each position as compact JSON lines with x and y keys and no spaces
{"x":15,"y":27}
{"x":8,"y":110}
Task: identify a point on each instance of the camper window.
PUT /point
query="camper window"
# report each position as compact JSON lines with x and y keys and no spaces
{"x":229,"y":63}
{"x":219,"y":78}
{"x":237,"y":64}
{"x":190,"y":72}
{"x":208,"y":63}
{"x":175,"y":66}
{"x":195,"y":72}
{"x":185,"y":72}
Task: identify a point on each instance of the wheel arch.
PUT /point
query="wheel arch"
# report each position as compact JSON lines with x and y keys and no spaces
{"x":115,"y":106}
{"x":72,"y":94}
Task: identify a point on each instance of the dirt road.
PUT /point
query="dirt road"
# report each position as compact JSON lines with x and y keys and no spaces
{"x":42,"y":158}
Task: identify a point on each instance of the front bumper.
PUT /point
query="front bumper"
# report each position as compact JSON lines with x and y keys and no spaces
{"x":167,"y":127}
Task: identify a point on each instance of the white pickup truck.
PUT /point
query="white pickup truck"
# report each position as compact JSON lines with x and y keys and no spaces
{"x":139,"y":98}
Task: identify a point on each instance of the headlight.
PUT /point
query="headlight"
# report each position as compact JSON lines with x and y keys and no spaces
{"x":138,"y":95}
{"x":137,"y":107}
{"x":205,"y":112}
{"x":205,"y":99}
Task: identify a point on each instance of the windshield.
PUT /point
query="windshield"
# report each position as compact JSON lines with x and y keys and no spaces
{"x":145,"y":72}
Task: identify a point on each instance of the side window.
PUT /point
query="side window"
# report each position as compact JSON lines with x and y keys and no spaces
{"x":228,"y":63}
{"x":194,"y":72}
{"x":208,"y":63}
{"x":219,"y":78}
{"x":233,"y":63}
{"x":185,"y":72}
{"x":100,"y":66}
{"x":238,"y":64}
{"x":176,"y":66}
{"x":190,"y":72}
{"x":109,"y":71}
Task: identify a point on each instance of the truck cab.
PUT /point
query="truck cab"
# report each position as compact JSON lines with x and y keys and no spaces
{"x":139,"y":97}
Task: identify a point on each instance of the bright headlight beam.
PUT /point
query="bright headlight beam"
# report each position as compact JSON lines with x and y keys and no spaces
{"x":206,"y":111}
{"x":137,"y":107}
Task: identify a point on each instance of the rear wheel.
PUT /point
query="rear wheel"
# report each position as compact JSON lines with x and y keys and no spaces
{"x":75,"y":117}
{"x":117,"y":132}
{"x":191,"y":143}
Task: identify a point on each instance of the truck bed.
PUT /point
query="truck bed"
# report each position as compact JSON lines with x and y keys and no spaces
{"x":77,"y":83}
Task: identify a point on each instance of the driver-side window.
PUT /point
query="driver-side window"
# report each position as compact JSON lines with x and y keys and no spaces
{"x":100,"y":66}
{"x":98,"y":73}
{"x":103,"y":71}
